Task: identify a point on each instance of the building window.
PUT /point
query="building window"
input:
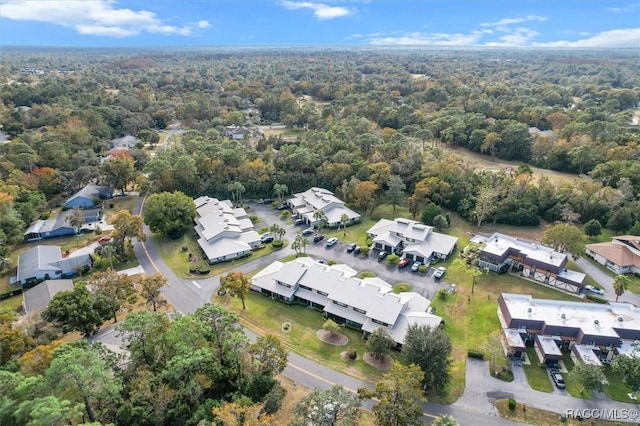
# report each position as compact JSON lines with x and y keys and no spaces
{"x":379,"y":322}
{"x":322,"y":293}
{"x":283,"y":284}
{"x":305,"y":287}
{"x":361,"y":311}
{"x":344,"y":305}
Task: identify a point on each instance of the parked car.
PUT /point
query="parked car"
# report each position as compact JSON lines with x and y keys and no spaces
{"x":308,"y":231}
{"x":557,"y":378}
{"x":416,"y":266}
{"x":332,"y":242}
{"x":439,"y":272}
{"x":105,"y":240}
{"x":351,"y":247}
{"x":357,"y":250}
{"x":318,"y":238}
{"x":382,"y":255}
{"x":404,"y":262}
{"x":267,"y":201}
{"x":283,"y":206}
{"x":299,"y":222}
{"x":266,"y":237}
{"x":593,"y":289}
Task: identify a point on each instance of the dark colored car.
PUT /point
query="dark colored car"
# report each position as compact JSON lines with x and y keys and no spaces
{"x":318,"y":238}
{"x":357,"y":250}
{"x":382,"y":255}
{"x":308,"y":231}
{"x":267,"y":201}
{"x":283,"y":206}
{"x":351,"y":247}
{"x":299,"y":222}
{"x":403,"y":262}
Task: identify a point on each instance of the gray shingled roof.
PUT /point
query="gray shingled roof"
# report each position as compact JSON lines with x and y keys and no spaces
{"x":37,"y":298}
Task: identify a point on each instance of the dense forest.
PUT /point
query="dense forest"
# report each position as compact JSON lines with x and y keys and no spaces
{"x":367,"y":123}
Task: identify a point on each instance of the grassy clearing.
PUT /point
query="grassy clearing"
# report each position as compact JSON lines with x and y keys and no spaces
{"x":353,"y":234}
{"x":14,"y":303}
{"x":177,"y":258}
{"x":535,"y":416}
{"x":537,"y":373}
{"x":115,"y":204}
{"x":266,"y":316}
{"x":616,"y":389}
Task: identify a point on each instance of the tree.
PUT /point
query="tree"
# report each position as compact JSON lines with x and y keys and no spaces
{"x":237,"y":285}
{"x":79,"y":371}
{"x":485,"y":204}
{"x":6,"y":263}
{"x":396,"y":189}
{"x":238,"y":414}
{"x":344,"y":220}
{"x":13,"y":341}
{"x":149,"y":136}
{"x":399,"y":395}
{"x":127,"y":226}
{"x":327,"y":408}
{"x":268,"y":355}
{"x":380,"y":343}
{"x":429,"y":213}
{"x":144,"y":336}
{"x":169,"y":213}
{"x":593,"y":228}
{"x":364,"y":193}
{"x":150,"y":289}
{"x":445,"y":420}
{"x":629,"y":368}
{"x":279,"y":189}
{"x":77,"y":310}
{"x":236,"y":189}
{"x":321,"y":217}
{"x":489,"y":144}
{"x":118,"y":172}
{"x":440,"y":222}
{"x":470,"y":268}
{"x":75,"y":219}
{"x":620,"y":285}
{"x":430,"y":349}
{"x":565,"y":237}
{"x":492,"y":348}
{"x":116,"y":290}
{"x":590,"y":376}
{"x":278,"y":230}
{"x":331,"y":326}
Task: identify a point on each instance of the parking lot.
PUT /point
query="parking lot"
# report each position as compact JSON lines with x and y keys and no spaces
{"x":423,"y":284}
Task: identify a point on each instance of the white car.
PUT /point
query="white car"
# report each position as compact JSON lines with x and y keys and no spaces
{"x":439,"y":272}
{"x":332,"y":242}
{"x":595,"y":290}
{"x":416,"y":266}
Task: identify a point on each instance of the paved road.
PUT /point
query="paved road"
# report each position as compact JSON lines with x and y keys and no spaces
{"x":606,"y":282}
{"x":186,"y":297}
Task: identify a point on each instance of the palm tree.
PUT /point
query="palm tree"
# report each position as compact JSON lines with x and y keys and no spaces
{"x":277,"y":230}
{"x":620,"y":284}
{"x":344,"y":219}
{"x":320,"y":216}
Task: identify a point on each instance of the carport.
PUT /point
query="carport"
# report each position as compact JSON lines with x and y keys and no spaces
{"x":515,"y":344}
{"x":547,"y":350}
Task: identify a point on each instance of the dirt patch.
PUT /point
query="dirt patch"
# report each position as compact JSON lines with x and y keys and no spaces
{"x":381,"y":364}
{"x":331,"y":338}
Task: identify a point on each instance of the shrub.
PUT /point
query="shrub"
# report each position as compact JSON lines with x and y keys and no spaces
{"x":254,"y":219}
{"x":184,"y":248}
{"x":277,"y":244}
{"x":393,"y":259}
{"x":45,"y":216}
{"x":352,"y":354}
{"x":422,"y":269}
{"x":273,"y":400}
{"x":285,"y":214}
{"x":98,"y":230}
{"x":596,"y":299}
{"x":443,"y":294}
{"x":593,"y":228}
{"x":365,"y":251}
{"x":65,"y":208}
{"x":366,"y":274}
{"x":475,"y":354}
{"x":512,"y":404}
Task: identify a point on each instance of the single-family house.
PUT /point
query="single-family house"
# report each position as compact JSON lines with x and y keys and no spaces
{"x":37,"y":298}
{"x":600,"y":330}
{"x":621,"y":255}
{"x":305,"y":205}
{"x":500,"y":253}
{"x":58,"y":226}
{"x":413,"y":240}
{"x":364,"y":304}
{"x":224,"y":232}
{"x":89,"y":196}
{"x":125,"y":142}
{"x":537,"y":133}
{"x":47,"y":263}
{"x":237,"y":132}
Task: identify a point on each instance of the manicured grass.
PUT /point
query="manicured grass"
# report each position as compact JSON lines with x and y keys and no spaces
{"x":127,"y":202}
{"x":266,"y":316}
{"x":14,"y":303}
{"x":617,"y":389}
{"x":353,"y":234}
{"x":573,"y":387}
{"x":401,"y":287}
{"x":177,"y":259}
{"x":535,"y":416}
{"x":537,"y":373}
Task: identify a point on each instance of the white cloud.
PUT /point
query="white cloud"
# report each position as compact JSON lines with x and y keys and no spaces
{"x":510,"y":21}
{"x":95,"y":17}
{"x":628,"y":8}
{"x":629,"y":37}
{"x":517,"y":37}
{"x":428,"y":39}
{"x":320,"y":10}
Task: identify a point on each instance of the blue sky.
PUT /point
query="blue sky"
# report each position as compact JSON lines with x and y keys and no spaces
{"x":509,"y":23}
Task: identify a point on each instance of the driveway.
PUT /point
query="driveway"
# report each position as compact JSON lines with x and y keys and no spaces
{"x":606,"y":282}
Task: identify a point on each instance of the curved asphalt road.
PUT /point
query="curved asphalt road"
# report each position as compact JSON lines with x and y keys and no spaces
{"x":188,"y":295}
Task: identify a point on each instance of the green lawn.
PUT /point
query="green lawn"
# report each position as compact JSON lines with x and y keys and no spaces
{"x":353,"y":234}
{"x":537,"y":373}
{"x":266,"y":316}
{"x":127,"y":202}
{"x":14,"y":303}
{"x":616,"y":389}
{"x":173,"y":253}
